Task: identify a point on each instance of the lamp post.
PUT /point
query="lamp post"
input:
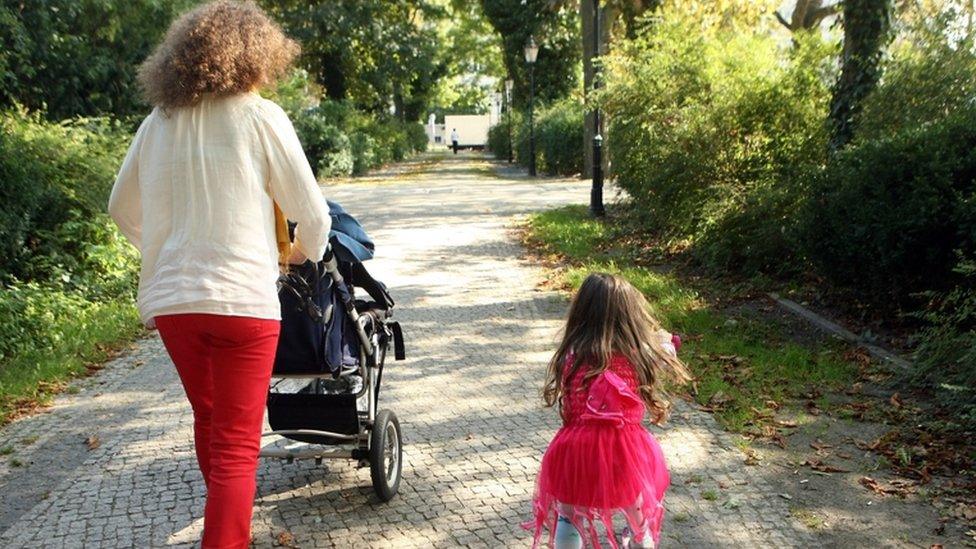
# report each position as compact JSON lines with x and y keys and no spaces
{"x":531,"y":52}
{"x":509,"y":84}
{"x":596,"y":190}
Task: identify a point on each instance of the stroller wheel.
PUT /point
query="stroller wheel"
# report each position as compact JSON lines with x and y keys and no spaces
{"x":385,"y":455}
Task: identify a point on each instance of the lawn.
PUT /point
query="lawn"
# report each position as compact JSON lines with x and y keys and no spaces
{"x":745,"y":363}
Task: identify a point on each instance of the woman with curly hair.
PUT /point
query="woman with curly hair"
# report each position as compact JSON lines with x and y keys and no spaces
{"x":197,"y":195}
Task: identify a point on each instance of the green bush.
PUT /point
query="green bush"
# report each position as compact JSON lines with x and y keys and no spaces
{"x":53,"y":173}
{"x":559,"y":138}
{"x":498,"y":138}
{"x":888,"y":217}
{"x":326,"y":146}
{"x":416,"y":136}
{"x":946,"y":356}
{"x":68,"y":277}
{"x":363,"y":153}
{"x":712,"y":135}
{"x":340,"y":140}
{"x":927,"y":76}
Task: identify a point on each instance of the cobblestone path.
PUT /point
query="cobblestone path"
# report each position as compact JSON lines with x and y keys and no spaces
{"x":478,"y":335}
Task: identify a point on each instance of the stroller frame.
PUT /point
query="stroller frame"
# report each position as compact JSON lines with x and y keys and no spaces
{"x":378,"y":440}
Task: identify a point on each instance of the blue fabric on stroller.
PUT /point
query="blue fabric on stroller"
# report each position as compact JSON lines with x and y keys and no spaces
{"x":314,"y":338}
{"x":349,"y":239}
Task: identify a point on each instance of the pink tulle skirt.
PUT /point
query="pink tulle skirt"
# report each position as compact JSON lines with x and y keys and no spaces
{"x":592,"y":472}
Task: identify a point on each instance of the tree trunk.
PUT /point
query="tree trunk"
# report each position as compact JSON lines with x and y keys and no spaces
{"x":866,"y":33}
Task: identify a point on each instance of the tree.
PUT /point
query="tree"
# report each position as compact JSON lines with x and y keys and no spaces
{"x":472,"y":54}
{"x":555,"y":28}
{"x":866,"y":33}
{"x":79,"y":57}
{"x":376,"y":53}
{"x":807,"y":15}
{"x":614,"y":14}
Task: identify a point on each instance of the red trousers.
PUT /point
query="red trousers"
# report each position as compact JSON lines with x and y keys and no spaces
{"x":225,"y":365}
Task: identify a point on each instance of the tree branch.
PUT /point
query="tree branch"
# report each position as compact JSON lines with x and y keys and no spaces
{"x":783,"y":21}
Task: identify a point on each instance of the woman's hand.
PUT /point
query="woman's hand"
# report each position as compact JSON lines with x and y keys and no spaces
{"x":296,"y":257}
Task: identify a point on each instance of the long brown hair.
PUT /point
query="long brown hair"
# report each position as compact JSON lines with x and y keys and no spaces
{"x":221,"y":48}
{"x":606,"y":316}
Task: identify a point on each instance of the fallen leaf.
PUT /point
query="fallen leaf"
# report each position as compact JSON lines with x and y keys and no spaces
{"x":895,"y":400}
{"x":820,"y":445}
{"x":285,"y":539}
{"x":818,"y":465}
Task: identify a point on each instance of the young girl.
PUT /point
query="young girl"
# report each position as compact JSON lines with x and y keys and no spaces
{"x":608,"y":369}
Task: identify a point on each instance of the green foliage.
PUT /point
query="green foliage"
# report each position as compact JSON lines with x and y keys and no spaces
{"x":928,"y":75}
{"x":500,"y":135}
{"x":70,"y":57}
{"x":556,"y":28}
{"x":946,"y":356}
{"x":325,"y":131}
{"x":888,"y":216}
{"x":373,"y":53}
{"x":326,"y":146}
{"x":68,"y":276}
{"x":558,"y":138}
{"x":711,"y":135}
{"x":53,"y":174}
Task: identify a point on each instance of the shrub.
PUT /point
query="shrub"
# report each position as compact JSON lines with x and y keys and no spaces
{"x":326,"y":146}
{"x":559,"y":138}
{"x":53,"y":173}
{"x":363,"y":153}
{"x":888,"y":217}
{"x":946,"y":356}
{"x":711,"y":135}
{"x":416,"y":136}
{"x":498,"y":142}
{"x":340,"y":140}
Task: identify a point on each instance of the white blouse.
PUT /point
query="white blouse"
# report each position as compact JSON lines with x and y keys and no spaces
{"x":195,"y":195}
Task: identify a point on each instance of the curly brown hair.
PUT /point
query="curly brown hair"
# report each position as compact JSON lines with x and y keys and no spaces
{"x":220,"y":48}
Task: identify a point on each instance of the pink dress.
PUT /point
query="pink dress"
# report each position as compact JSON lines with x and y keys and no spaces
{"x":602,"y":461}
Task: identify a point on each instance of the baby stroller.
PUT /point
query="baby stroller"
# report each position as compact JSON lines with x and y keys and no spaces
{"x":329,"y":364}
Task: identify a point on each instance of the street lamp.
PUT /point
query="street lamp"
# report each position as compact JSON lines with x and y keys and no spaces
{"x":531,"y":52}
{"x":509,"y":84}
{"x":596,"y":190}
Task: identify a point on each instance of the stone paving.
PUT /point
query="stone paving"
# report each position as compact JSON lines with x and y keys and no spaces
{"x":478,"y":332}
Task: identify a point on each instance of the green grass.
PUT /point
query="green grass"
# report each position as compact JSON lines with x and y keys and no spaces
{"x":744,"y":365}
{"x":32,"y":376}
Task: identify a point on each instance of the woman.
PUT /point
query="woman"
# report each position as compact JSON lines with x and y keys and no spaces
{"x":196,"y":195}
